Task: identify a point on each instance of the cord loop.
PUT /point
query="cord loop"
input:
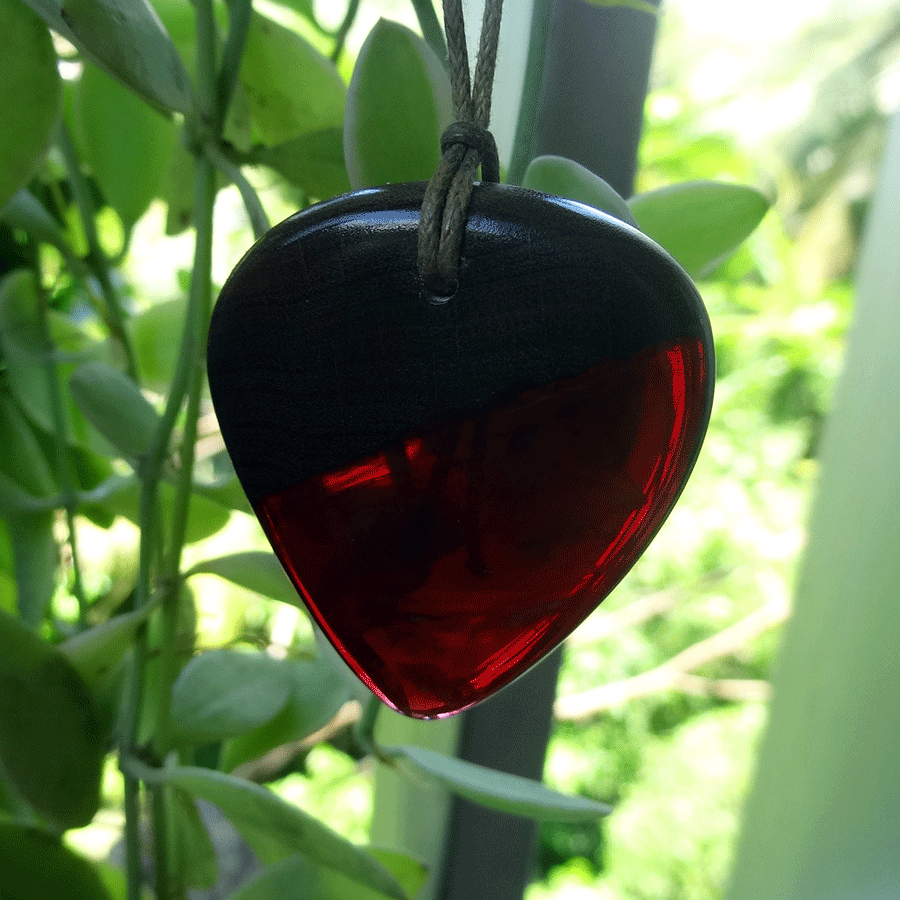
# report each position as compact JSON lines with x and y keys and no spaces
{"x":465,"y":145}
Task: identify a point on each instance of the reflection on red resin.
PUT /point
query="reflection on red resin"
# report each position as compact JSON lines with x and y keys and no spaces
{"x":445,"y":566}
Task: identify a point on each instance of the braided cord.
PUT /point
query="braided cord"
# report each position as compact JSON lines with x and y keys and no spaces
{"x":465,"y":145}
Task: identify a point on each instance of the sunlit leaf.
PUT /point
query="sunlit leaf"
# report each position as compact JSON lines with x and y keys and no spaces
{"x":313,"y":162}
{"x":398,"y":105}
{"x":276,"y":829}
{"x":699,"y":222}
{"x":30,"y":95}
{"x":291,"y":88}
{"x":126,"y":143}
{"x":566,"y":178}
{"x":25,"y":211}
{"x":127,"y":39}
{"x":35,"y":560}
{"x":255,"y":570}
{"x":96,"y":651}
{"x":499,"y":790}
{"x":156,"y":334}
{"x":22,"y":458}
{"x":23,"y":344}
{"x":644,"y":6}
{"x":317,"y":692}
{"x":36,"y":865}
{"x":205,"y":518}
{"x":194,"y":856}
{"x":52,"y":742}
{"x":299,"y":878}
{"x":225,"y":692}
{"x":227,"y":493}
{"x":114,"y":404}
{"x":411,"y":873}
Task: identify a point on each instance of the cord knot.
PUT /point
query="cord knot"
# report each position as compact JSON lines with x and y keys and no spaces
{"x":472,"y":136}
{"x":465,"y":145}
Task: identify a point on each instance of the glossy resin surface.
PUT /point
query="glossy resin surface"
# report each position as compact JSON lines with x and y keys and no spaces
{"x":453,"y":484}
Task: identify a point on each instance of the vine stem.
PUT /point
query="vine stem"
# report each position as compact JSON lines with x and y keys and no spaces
{"x":157,"y":555}
{"x":340,"y":36}
{"x":431,"y":28}
{"x":97,"y":258}
{"x":64,"y":463}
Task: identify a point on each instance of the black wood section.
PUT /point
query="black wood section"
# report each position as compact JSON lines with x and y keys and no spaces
{"x":324,"y":347}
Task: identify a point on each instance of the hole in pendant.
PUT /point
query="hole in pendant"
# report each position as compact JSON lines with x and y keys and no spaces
{"x":436,"y":299}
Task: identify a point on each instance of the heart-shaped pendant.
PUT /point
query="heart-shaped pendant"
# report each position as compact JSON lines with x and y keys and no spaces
{"x":453,"y":484}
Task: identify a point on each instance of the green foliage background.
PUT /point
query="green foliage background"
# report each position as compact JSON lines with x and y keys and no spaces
{"x":90,"y":351}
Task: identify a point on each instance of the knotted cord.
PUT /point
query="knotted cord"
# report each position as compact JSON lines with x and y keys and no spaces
{"x":465,"y":145}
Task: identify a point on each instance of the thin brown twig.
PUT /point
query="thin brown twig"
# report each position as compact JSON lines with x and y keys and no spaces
{"x":671,"y":674}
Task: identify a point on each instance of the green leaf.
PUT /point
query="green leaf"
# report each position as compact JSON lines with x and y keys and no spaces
{"x":156,"y":336}
{"x":30,"y":95}
{"x":97,"y":651}
{"x":51,"y":739}
{"x":225,"y":692}
{"x":193,"y":853}
{"x":22,"y":459}
{"x":36,"y":865}
{"x":313,"y":162}
{"x":317,"y":692}
{"x":25,"y":211}
{"x":157,"y":680}
{"x":227,"y":493}
{"x":565,"y":178}
{"x":398,"y":105}
{"x":299,"y":878}
{"x":411,"y":873}
{"x":276,"y":829}
{"x":256,"y":570}
{"x":35,"y":559}
{"x":644,"y":6}
{"x":126,"y":143}
{"x":291,"y":88}
{"x":205,"y":517}
{"x":126,"y":38}
{"x":498,"y":790}
{"x":14,"y":500}
{"x":700,"y":223}
{"x":23,"y":345}
{"x":95,"y":479}
{"x":114,"y":404}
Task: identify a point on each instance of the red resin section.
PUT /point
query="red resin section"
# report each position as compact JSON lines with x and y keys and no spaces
{"x":445,"y":566}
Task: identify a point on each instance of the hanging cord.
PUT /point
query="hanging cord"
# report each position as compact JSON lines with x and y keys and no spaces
{"x":465,"y":145}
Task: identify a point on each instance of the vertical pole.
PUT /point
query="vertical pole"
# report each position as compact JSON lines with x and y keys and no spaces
{"x":590,"y":109}
{"x":595,"y":81}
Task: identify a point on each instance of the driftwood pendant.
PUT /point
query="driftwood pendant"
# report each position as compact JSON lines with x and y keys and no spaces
{"x":453,"y":484}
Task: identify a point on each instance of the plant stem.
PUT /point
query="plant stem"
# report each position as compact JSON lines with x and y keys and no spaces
{"x":239,"y":15}
{"x":64,"y":463}
{"x":365,"y":728}
{"x":186,"y":382}
{"x":97,"y":258}
{"x":340,"y":37}
{"x":523,"y":143}
{"x":431,"y":29}
{"x":133,"y":875}
{"x":259,"y":221}
{"x":192,"y":361}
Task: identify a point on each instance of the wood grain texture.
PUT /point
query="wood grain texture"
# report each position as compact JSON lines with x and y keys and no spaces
{"x":324,"y":347}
